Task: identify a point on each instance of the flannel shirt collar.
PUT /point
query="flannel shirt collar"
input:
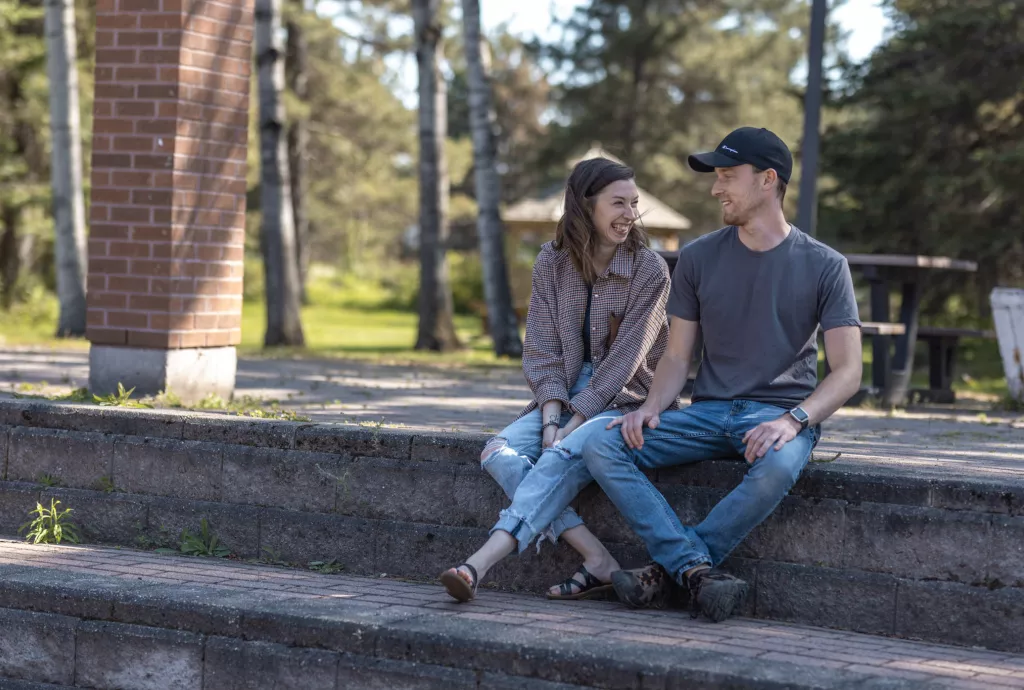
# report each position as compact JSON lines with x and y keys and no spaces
{"x":622,"y":263}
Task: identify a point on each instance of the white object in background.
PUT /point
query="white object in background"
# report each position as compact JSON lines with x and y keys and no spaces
{"x":1008,"y":314}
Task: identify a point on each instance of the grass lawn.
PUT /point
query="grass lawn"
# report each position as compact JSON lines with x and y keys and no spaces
{"x":353,"y":319}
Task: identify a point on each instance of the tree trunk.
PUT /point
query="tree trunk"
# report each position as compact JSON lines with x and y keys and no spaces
{"x":10,"y":261}
{"x":437,"y":326}
{"x":297,"y":70}
{"x":501,"y":316}
{"x":278,"y":226}
{"x":66,"y":167}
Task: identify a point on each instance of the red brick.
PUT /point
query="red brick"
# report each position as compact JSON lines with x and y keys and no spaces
{"x":127,"y":319}
{"x":172,"y":321}
{"x":135,"y":109}
{"x":100,"y":213}
{"x":136,"y":73}
{"x":162,"y":215}
{"x":235,"y":253}
{"x":235,"y":336}
{"x":218,"y":339}
{"x":150,"y":302}
{"x":230,"y":287}
{"x":149,"y":339}
{"x":121,"y":21}
{"x":126,"y":283}
{"x":194,"y":269}
{"x":206,"y":321}
{"x":138,"y":38}
{"x":101,"y":143}
{"x":157,"y":56}
{"x":161,"y":21}
{"x":164,"y":127}
{"x":115,"y":56}
{"x":192,"y":339}
{"x":173,"y":5}
{"x":111,"y":160}
{"x":209,"y":253}
{"x":125,"y":143}
{"x":131,"y":250}
{"x":139,"y":5}
{"x":97,"y":248}
{"x":152,"y":234}
{"x":106,"y":300}
{"x":103,"y":74}
{"x":96,"y":282}
{"x":132,"y":178}
{"x":102,"y":109}
{"x":112,"y":126}
{"x":155,"y":162}
{"x":158,"y":91}
{"x":130,"y":214}
{"x":182,"y":286}
{"x":105,"y":231}
{"x":109,"y":266}
{"x":161,"y":250}
{"x":106,"y":336}
{"x":163,"y":180}
{"x":104,"y":37}
{"x":115,"y":91}
{"x":228,"y":321}
{"x":159,"y":286}
{"x":151,"y":197}
{"x":95,"y":317}
{"x":144,"y":267}
{"x":224,"y":304}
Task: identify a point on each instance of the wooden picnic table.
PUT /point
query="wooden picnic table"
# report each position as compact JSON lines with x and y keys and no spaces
{"x":891,"y":373}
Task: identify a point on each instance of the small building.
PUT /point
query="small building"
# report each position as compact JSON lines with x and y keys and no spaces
{"x":533,"y":218}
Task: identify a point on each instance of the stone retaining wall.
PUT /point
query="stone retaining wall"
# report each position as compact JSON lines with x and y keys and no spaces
{"x":851,"y":549}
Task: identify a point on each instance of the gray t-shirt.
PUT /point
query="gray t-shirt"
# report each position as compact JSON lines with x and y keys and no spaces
{"x":759,"y":313}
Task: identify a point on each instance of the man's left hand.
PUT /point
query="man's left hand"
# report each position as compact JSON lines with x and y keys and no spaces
{"x":776,"y":433}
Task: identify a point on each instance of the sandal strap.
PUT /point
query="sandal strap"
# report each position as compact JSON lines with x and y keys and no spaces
{"x":589,"y":582}
{"x":472,"y":571}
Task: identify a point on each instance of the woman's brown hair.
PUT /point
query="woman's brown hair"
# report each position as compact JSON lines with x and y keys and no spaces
{"x":575,"y":230}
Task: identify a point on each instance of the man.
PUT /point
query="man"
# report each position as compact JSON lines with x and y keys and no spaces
{"x":759,"y":289}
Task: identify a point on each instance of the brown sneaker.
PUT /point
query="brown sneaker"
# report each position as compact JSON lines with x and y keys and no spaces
{"x":715,"y":594}
{"x":647,"y":587}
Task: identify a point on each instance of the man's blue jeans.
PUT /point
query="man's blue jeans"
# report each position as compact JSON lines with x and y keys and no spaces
{"x":702,"y":431}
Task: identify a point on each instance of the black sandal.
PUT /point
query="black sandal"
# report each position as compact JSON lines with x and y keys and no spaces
{"x":590,"y":586}
{"x":456,"y":584}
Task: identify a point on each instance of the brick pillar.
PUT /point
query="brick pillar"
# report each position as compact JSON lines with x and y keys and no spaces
{"x":167,"y":219}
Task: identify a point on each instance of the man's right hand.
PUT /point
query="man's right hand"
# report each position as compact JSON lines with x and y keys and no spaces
{"x":633,"y":426}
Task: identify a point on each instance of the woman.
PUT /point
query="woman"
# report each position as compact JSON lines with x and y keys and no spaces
{"x":595,"y":330}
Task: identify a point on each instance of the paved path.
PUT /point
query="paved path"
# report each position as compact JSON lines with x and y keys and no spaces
{"x":881,"y":657}
{"x":933,"y":441}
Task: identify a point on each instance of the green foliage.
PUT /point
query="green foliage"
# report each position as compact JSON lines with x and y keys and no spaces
{"x":49,"y":480}
{"x":330,"y":567}
{"x":122,"y":398}
{"x":51,"y":525}
{"x":931,"y":155}
{"x":205,"y":543}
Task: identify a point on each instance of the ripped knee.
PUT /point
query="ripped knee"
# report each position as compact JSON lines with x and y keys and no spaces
{"x":492,"y":447}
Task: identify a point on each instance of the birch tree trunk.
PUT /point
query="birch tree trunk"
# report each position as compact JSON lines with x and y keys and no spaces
{"x":278,"y":226}
{"x":501,"y":316}
{"x":297,"y":72}
{"x":66,"y":167}
{"x":436,"y":323}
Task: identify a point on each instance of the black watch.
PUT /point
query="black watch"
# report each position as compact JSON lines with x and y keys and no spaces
{"x":801,"y":416}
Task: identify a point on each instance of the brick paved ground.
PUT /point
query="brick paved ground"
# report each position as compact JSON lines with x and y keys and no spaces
{"x":878,"y":656}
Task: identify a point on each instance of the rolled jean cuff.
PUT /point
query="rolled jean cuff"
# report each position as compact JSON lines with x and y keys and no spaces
{"x":566,"y":521}
{"x":517,"y":526}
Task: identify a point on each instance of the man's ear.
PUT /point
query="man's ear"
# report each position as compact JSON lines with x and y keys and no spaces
{"x":770,"y":177}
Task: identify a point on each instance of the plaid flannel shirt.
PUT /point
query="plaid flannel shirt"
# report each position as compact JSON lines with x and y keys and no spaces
{"x":629,"y":331}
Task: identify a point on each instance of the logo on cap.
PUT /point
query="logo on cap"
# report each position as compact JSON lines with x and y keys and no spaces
{"x":730,"y":149}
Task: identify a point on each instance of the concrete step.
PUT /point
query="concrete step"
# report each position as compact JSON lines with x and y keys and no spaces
{"x":114,"y":618}
{"x":861,"y":548}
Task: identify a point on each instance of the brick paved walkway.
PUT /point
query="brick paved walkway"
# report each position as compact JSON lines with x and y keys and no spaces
{"x":881,"y":657}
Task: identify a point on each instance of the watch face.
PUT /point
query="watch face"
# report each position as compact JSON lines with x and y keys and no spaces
{"x":799,"y":414}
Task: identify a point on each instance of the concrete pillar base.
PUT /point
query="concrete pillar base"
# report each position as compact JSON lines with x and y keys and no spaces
{"x":190,"y":373}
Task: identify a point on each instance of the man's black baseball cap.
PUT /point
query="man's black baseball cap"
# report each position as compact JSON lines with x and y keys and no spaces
{"x":756,"y":146}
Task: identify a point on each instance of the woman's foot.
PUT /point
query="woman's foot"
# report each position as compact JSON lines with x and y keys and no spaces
{"x":460,"y":582}
{"x":593,"y":577}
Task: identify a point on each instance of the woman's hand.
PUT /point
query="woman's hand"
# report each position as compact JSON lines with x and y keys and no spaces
{"x":573,"y":424}
{"x":547,"y":437}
